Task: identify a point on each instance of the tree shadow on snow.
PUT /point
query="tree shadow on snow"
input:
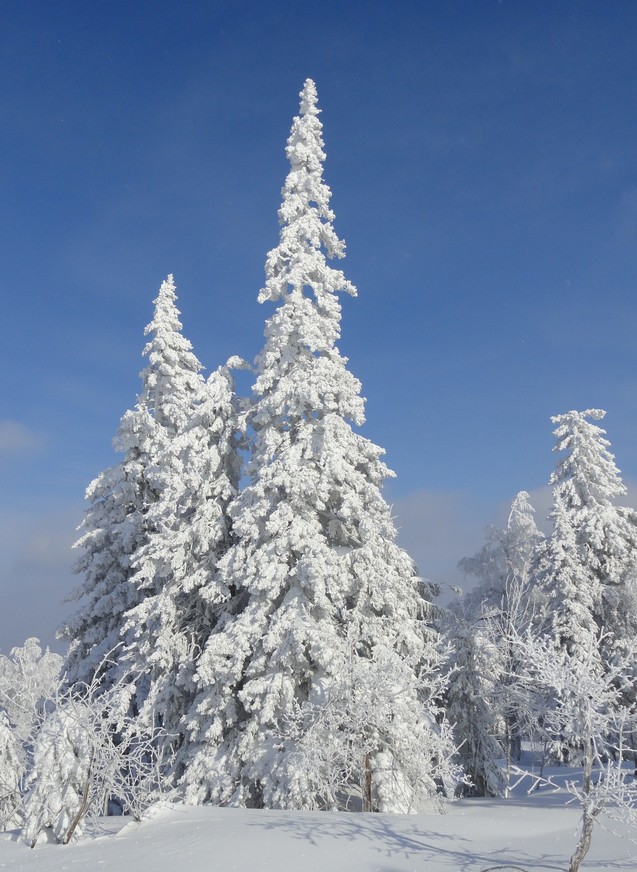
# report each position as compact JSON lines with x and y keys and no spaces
{"x":409,"y":841}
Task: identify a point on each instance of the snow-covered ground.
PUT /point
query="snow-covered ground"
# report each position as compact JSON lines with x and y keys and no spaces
{"x":534,"y":833}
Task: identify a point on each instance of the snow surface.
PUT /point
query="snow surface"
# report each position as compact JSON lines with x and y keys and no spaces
{"x":534,"y":833}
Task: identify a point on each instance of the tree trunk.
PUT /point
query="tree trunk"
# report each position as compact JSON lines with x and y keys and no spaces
{"x":588,"y":814}
{"x":584,"y":841}
{"x":367,"y":785}
{"x":83,"y":804}
{"x":507,"y":740}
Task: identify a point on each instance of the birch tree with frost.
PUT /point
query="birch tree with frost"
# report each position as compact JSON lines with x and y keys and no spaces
{"x":589,"y":701}
{"x":334,"y":741}
{"x":28,"y":678}
{"x":87,"y":754}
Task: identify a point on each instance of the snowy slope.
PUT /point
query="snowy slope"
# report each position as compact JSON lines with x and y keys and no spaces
{"x":537,"y":833}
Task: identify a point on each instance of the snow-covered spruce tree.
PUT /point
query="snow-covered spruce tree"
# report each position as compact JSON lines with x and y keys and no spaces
{"x":475,"y":668}
{"x":504,"y":603}
{"x":117,"y":522}
{"x":586,"y":568}
{"x":315,"y":568}
{"x":503,"y":564}
{"x":196,"y":477}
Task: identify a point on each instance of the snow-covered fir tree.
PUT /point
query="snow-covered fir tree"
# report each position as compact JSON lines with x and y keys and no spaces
{"x":197,"y":475}
{"x":315,"y":570}
{"x":503,"y":564}
{"x":119,"y":520}
{"x":113,"y":529}
{"x":504,"y":605}
{"x":475,"y":669}
{"x":586,"y":568}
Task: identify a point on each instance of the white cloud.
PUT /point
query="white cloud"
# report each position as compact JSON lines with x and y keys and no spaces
{"x":35,"y":573}
{"x":18,"y":440}
{"x":439,"y":528}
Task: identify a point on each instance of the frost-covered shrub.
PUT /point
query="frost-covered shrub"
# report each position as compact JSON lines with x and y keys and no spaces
{"x":377,"y":742}
{"x":28,"y":677}
{"x":85,"y":756}
{"x":11,"y":773}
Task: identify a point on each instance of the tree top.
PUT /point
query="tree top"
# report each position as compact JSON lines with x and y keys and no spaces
{"x":309,"y":98}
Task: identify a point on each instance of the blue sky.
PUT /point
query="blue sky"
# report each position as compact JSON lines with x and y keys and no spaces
{"x":483,"y":164}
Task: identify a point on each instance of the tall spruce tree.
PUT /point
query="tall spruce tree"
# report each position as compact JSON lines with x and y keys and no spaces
{"x":315,"y":571}
{"x":120,"y":518}
{"x":586,"y":568}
